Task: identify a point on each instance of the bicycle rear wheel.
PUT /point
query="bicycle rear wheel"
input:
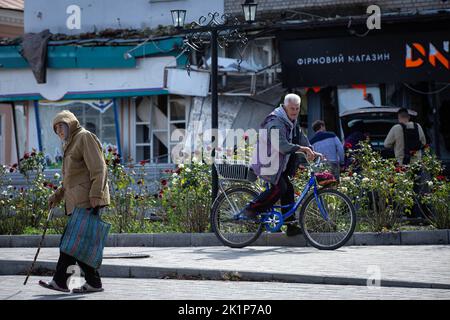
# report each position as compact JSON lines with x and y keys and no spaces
{"x":426,"y":211}
{"x":336,"y":229}
{"x":230,"y":230}
{"x":421,"y":188}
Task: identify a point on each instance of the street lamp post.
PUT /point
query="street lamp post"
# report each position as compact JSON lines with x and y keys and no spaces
{"x":221,"y":30}
{"x":214,"y":110}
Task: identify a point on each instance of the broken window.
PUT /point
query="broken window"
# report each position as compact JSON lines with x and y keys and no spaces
{"x":156,"y":119}
{"x":97,"y":116}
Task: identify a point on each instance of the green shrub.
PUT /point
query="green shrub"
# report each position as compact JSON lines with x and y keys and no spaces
{"x":186,"y":197}
{"x":381,"y":192}
{"x":438,"y":197}
{"x":26,"y":207}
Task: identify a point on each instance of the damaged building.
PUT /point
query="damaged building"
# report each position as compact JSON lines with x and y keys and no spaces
{"x":123,"y":72}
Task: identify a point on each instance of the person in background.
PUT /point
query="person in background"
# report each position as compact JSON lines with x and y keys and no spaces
{"x":352,"y":141}
{"x":328,"y":144}
{"x":356,"y":136}
{"x":407,"y":138}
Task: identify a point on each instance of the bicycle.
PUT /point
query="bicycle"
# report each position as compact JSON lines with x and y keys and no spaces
{"x":327,"y":217}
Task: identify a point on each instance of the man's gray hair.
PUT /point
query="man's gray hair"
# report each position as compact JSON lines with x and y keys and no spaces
{"x":292,"y":97}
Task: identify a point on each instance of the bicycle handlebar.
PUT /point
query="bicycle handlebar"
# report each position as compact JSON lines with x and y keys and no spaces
{"x":319,"y":158}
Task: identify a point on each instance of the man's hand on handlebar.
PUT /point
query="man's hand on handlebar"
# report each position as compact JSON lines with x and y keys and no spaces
{"x":310,"y":155}
{"x":319,"y":155}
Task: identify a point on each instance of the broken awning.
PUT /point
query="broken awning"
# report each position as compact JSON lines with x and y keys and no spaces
{"x":97,"y":57}
{"x":66,"y":84}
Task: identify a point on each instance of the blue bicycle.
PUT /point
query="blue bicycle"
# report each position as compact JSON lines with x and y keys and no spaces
{"x":326,"y":216}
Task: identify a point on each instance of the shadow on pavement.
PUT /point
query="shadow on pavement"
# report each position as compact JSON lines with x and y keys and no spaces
{"x":13,"y":295}
{"x":57,"y":297}
{"x":231,"y":254}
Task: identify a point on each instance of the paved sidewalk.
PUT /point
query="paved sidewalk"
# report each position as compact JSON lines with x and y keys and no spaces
{"x":410,"y":264}
{"x":148,"y":289}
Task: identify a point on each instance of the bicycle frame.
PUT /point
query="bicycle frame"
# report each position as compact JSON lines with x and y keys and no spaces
{"x":312,"y":184}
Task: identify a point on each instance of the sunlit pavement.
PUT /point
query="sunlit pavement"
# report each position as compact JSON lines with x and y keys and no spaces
{"x":12,"y":288}
{"x":404,"y":272}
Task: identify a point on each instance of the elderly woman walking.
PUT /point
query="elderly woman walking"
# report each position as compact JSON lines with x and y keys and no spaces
{"x":85,"y":185}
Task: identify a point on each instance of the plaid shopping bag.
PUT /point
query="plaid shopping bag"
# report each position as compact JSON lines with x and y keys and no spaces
{"x":85,"y":237}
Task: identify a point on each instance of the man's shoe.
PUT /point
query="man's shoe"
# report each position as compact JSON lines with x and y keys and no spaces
{"x":249,"y":214}
{"x":293,"y":230}
{"x":87,"y":288}
{"x":52,"y":286}
{"x":289,"y":219}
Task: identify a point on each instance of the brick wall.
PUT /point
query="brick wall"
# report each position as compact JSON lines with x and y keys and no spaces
{"x":234,"y":6}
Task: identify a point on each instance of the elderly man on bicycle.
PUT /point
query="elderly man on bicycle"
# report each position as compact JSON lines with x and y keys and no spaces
{"x":291,"y":140}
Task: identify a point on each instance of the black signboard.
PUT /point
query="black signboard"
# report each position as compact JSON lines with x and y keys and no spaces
{"x":371,"y":59}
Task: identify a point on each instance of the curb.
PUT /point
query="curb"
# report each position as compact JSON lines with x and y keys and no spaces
{"x":20,"y":267}
{"x":428,"y":237}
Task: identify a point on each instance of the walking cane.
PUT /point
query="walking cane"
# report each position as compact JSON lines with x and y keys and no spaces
{"x":40,"y":244}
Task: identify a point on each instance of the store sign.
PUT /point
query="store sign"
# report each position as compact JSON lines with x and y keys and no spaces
{"x":371,"y":59}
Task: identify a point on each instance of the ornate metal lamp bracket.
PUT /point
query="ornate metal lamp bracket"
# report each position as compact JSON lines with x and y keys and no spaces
{"x":228,"y":32}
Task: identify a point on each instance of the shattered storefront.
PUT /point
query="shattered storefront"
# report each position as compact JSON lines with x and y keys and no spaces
{"x":249,"y":86}
{"x":340,"y":71}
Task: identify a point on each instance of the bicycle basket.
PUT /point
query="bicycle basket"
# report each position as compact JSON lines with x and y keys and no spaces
{"x":233,"y":171}
{"x":325,"y":179}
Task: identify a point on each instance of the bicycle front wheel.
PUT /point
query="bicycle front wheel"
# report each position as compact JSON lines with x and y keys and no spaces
{"x":331,"y":227}
{"x":232,"y":231}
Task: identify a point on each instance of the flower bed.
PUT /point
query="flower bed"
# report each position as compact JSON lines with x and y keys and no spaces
{"x":381,"y":191}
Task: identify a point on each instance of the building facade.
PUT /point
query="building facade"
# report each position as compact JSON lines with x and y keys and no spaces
{"x":11,"y":18}
{"x":11,"y":26}
{"x":113,"y":81}
{"x":133,"y":91}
